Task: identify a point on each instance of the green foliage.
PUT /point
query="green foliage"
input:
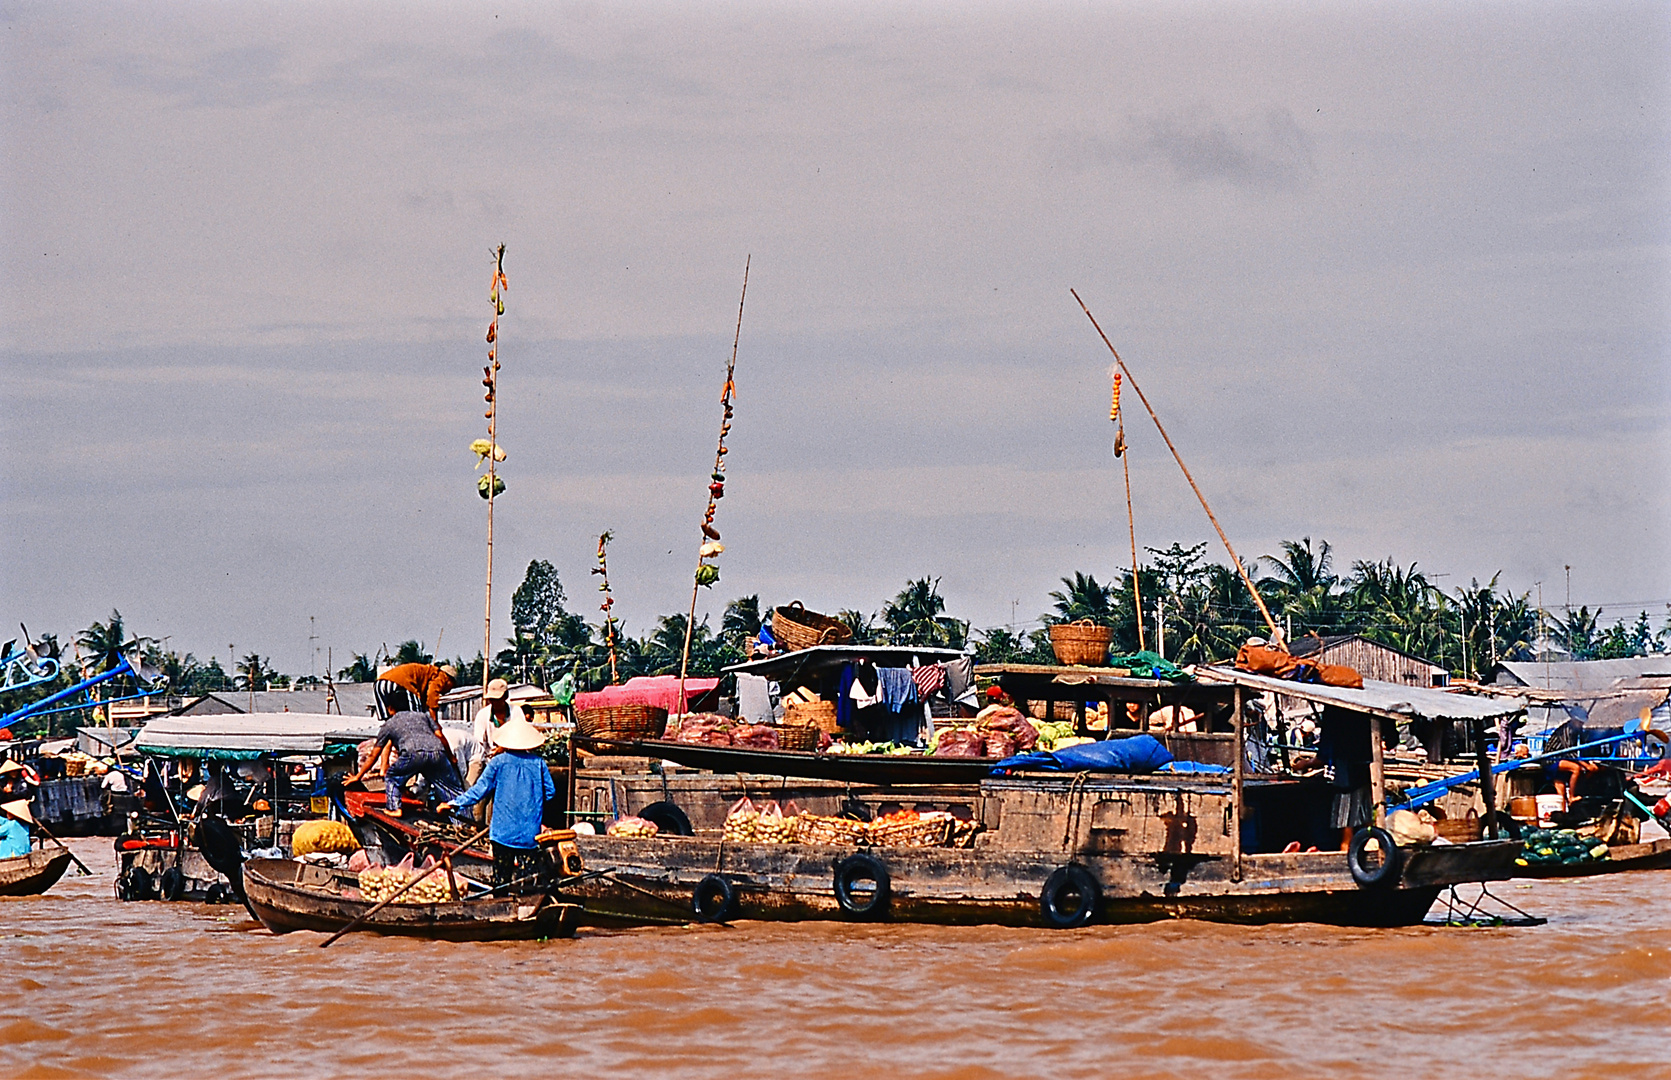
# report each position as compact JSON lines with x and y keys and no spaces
{"x":915,"y":617}
{"x":537,"y":603}
{"x":411,"y":652}
{"x":862,"y":627}
{"x":1083,"y":598}
{"x":360,"y":669}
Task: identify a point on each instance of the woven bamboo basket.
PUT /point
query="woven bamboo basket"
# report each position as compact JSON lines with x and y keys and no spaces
{"x":817,"y":714}
{"x":927,"y":832}
{"x":802,"y":737}
{"x":1462,"y":830}
{"x":622,"y":722}
{"x":1082,"y":642}
{"x":796,"y":628}
{"x":1060,"y":710}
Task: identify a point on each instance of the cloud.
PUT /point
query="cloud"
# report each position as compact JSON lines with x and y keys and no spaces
{"x":1264,"y":151}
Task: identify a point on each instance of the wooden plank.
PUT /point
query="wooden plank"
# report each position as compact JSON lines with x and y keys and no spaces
{"x":1377,"y":773}
{"x":1237,"y":765}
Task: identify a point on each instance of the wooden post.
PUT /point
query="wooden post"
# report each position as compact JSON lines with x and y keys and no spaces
{"x":1488,"y":783}
{"x":1377,"y":772}
{"x":1238,"y":765}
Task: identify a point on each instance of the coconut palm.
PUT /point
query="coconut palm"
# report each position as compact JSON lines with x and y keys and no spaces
{"x":914,"y":617}
{"x":1577,"y":633}
{"x":1302,"y":586}
{"x":1083,"y":598}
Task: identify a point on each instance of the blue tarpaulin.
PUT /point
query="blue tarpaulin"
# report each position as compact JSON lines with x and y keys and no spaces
{"x":1136,"y":754}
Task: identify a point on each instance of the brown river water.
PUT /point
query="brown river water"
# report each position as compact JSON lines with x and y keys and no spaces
{"x":96,"y":987}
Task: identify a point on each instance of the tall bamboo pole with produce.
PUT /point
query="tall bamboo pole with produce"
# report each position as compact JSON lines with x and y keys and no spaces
{"x":1276,"y":633}
{"x":489,"y":486}
{"x":608,"y":605}
{"x":1131,"y":521}
{"x":706,"y":573}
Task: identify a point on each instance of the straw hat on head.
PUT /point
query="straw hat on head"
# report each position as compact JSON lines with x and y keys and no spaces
{"x":497,"y":690}
{"x":10,"y":767}
{"x":518,"y":734}
{"x":450,"y":670}
{"x":19,"y":808}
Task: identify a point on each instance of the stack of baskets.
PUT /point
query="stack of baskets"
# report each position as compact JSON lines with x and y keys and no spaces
{"x":796,"y":628}
{"x":624,"y":722}
{"x":1082,"y":642}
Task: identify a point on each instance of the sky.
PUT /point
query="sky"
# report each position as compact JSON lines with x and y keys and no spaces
{"x":1394,"y":275}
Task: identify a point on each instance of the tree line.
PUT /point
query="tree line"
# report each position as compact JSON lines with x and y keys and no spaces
{"x":1195,"y":611}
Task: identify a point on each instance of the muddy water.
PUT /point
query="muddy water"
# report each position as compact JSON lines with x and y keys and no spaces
{"x":94,"y":987}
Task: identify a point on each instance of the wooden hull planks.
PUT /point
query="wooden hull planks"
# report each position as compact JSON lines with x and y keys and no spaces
{"x":34,"y":873}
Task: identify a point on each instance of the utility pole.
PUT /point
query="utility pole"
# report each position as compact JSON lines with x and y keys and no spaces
{"x":312,"y":648}
{"x":1543,"y":640}
{"x":232,"y":666}
{"x":1160,"y":627}
{"x":1569,"y":590}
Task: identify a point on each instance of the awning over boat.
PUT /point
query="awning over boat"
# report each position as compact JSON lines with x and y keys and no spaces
{"x":1386,"y":699}
{"x":658,"y":691}
{"x":244,"y":736}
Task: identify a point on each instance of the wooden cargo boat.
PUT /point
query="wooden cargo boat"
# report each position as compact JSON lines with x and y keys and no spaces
{"x":1652,"y":855}
{"x":34,"y":873}
{"x":287,"y":895}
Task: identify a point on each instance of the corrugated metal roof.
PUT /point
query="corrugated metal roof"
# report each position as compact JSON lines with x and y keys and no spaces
{"x":1581,"y":675}
{"x":1380,"y":698}
{"x":246,"y":733}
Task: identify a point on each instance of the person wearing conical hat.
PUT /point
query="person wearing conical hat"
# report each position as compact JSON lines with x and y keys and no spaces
{"x":13,"y":777}
{"x":15,"y":820}
{"x":520,"y":782}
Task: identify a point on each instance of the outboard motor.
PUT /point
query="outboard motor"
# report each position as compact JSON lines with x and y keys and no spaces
{"x":223,"y":849}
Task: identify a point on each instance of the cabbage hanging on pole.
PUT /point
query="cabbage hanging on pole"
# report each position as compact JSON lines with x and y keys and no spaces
{"x":706,"y":573}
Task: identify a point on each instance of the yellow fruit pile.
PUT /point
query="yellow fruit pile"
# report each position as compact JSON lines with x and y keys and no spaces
{"x":378,"y":883}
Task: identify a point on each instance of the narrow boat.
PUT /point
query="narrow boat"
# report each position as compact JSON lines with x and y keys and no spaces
{"x":34,"y":873}
{"x":1652,"y":855}
{"x":287,"y":895}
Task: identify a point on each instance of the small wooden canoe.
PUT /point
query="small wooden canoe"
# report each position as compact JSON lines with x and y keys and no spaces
{"x":288,"y":896}
{"x":34,"y":873}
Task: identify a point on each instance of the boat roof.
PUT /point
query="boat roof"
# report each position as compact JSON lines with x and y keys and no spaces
{"x":819,"y":657}
{"x":1067,"y":682}
{"x":1393,"y":700}
{"x":242,"y":736}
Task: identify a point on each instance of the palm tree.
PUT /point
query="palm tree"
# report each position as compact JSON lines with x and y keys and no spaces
{"x":254,"y":672}
{"x":1577,"y":632}
{"x":914,"y":617}
{"x":359,"y":669}
{"x":107,"y":643}
{"x":411,"y":652}
{"x":1084,"y":598}
{"x":1303,"y":585}
{"x":741,"y":623}
{"x":860,"y":625}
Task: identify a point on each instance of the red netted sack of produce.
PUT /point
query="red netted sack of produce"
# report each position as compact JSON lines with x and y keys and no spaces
{"x":755,"y":737}
{"x":701,"y":729}
{"x":961,"y":744}
{"x":1010,"y":720}
{"x":1000,"y":744}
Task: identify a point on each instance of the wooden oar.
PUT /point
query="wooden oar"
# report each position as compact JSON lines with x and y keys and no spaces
{"x":400,"y":892}
{"x":73,"y":857}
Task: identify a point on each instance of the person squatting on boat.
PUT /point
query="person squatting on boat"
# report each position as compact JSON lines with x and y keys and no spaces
{"x":14,"y":828}
{"x":520,"y":782}
{"x":418,"y":687}
{"x":417,"y":748}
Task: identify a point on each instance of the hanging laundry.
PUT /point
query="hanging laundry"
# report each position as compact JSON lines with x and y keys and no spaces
{"x":897,"y":687}
{"x":960,"y":680}
{"x":929,"y":678}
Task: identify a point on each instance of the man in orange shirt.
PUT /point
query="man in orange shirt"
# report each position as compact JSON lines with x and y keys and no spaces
{"x":414,"y":687}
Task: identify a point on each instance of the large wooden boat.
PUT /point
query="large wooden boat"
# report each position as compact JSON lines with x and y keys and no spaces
{"x":34,"y":873}
{"x":287,"y":895}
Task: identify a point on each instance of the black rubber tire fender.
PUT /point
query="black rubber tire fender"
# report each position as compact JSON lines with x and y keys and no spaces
{"x":854,"y":869}
{"x":134,"y":884}
{"x":1070,"y":898}
{"x":714,"y":900}
{"x":668,"y":819}
{"x":1392,"y":859}
{"x":172,"y":885}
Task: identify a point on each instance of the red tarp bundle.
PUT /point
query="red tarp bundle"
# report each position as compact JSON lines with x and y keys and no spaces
{"x":661,"y":691}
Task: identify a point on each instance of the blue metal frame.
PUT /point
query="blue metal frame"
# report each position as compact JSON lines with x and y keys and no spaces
{"x":39,"y":708}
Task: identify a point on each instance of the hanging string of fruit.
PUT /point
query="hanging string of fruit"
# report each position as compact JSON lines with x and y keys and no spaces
{"x":488,"y":450}
{"x":608,"y":605}
{"x":711,"y":548}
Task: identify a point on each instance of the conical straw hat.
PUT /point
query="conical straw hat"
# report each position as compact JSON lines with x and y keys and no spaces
{"x":19,"y":808}
{"x":518,"y":734}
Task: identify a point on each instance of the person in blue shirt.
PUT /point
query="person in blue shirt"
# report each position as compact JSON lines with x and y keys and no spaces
{"x":14,"y":829}
{"x":520,"y":782}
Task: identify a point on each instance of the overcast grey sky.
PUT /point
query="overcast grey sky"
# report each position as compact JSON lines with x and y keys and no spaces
{"x":1396,"y":276}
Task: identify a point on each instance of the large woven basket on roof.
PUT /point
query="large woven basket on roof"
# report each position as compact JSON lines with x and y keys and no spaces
{"x":795,"y":628}
{"x":1082,"y":642}
{"x":817,"y":714}
{"x":622,"y":722}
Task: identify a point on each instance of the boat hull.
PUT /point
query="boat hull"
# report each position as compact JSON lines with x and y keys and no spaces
{"x":941,"y":885}
{"x":288,"y":896}
{"x":34,"y":873}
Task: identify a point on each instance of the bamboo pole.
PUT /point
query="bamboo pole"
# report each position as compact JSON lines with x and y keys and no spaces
{"x":491,"y":379}
{"x":1235,"y":560}
{"x":1131,"y":519}
{"x":709,"y":533}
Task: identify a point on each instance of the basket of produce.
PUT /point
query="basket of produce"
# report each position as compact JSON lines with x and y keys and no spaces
{"x":1059,"y":710}
{"x":907,"y":828}
{"x":1082,"y":642}
{"x":815,"y":714}
{"x":795,"y":627}
{"x":622,"y":722}
{"x":814,"y":829}
{"x":380,"y":883}
{"x":802,"y":737}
